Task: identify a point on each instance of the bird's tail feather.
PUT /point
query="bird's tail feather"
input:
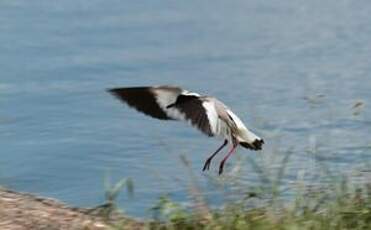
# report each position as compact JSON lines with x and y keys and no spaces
{"x":255,"y":145}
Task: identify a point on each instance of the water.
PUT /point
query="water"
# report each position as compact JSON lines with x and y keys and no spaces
{"x":60,"y":132}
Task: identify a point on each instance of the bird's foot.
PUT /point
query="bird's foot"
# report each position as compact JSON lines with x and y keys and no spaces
{"x":207,"y":165}
{"x":221,"y":167}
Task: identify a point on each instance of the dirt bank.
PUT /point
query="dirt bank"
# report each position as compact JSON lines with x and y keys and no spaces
{"x":27,"y":211}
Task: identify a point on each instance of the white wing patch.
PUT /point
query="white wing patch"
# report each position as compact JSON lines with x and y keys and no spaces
{"x":187,"y":93}
{"x":218,"y":126}
{"x":165,"y":98}
{"x":212,"y":115}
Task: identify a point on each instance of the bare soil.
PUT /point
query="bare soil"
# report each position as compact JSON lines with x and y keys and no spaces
{"x":20,"y":211}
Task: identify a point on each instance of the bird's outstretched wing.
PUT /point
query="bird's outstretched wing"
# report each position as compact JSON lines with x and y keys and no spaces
{"x":146,"y":99}
{"x":195,"y":112}
{"x":167,"y":103}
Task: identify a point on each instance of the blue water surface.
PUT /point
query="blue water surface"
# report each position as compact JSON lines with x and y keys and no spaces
{"x":292,"y":70}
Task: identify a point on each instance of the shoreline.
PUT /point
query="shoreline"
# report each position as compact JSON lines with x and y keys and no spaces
{"x":340,"y":206}
{"x":19,"y":210}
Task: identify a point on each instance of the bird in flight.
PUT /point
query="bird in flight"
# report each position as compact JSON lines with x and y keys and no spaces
{"x":206,"y":113}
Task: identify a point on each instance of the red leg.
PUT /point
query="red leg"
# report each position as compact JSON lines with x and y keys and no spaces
{"x":208,"y":161}
{"x":221,"y":166}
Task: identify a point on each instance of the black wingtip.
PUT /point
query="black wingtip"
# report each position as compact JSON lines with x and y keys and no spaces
{"x":117,"y":92}
{"x":112,"y":90}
